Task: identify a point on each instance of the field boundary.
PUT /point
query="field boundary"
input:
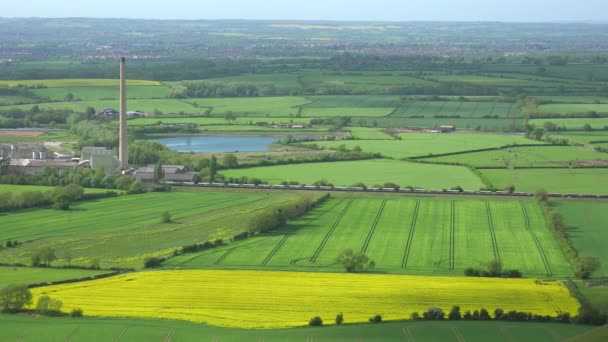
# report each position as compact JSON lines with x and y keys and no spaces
{"x":492,"y":232}
{"x":408,"y":245}
{"x":275,"y":249}
{"x":373,"y":227}
{"x":536,"y":241}
{"x":314,"y":257}
{"x":452,"y":234}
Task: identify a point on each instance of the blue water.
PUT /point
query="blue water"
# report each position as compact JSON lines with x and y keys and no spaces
{"x":218,"y":143}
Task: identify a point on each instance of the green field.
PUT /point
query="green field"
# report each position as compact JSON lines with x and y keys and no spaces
{"x":29,"y":276}
{"x":424,"y":144}
{"x":102,"y":93}
{"x":567,"y":108}
{"x":365,"y":101}
{"x":583,"y":137}
{"x":430,"y":109}
{"x":58,"y":83}
{"x":574,"y":124}
{"x":370,"y":172}
{"x":423,"y":236}
{"x":132,"y":231}
{"x":480,"y":124}
{"x":255,"y":107}
{"x":347,"y":111}
{"x":14,"y":328}
{"x":550,"y":155}
{"x":587,"y":222}
{"x":580,"y":181}
{"x":365,"y":133}
{"x":15,"y":189}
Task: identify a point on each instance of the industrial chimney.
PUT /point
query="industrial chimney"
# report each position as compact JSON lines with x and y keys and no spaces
{"x":123,"y":149}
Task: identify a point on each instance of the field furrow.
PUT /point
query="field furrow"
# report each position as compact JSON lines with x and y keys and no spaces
{"x":430,"y":247}
{"x":388,"y":243}
{"x":410,"y":238}
{"x":373,"y":227}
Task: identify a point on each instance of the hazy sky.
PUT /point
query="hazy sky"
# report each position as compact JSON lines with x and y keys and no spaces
{"x":377,"y":10}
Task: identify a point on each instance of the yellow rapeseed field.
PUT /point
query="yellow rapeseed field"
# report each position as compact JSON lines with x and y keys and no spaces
{"x":259,"y":299}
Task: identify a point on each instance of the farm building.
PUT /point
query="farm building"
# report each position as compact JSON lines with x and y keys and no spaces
{"x":36,"y":167}
{"x":100,"y":156}
{"x":447,"y":129}
{"x":23,"y":151}
{"x":172,"y":173}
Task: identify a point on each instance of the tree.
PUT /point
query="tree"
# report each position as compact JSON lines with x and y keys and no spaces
{"x":229,"y":161}
{"x":159,"y":174}
{"x":212,"y":168}
{"x":339,"y":318}
{"x":455,"y":313}
{"x":354,"y":262}
{"x":585,"y":265}
{"x":434,"y":313}
{"x":69,"y":97}
{"x":48,"y":306}
{"x":61,"y":202}
{"x":229,"y":116}
{"x":73,"y":191}
{"x":315,"y":321}
{"x":587,"y":127}
{"x":43,"y":256}
{"x":14,"y":297}
{"x":67,"y":256}
{"x":495,"y":268}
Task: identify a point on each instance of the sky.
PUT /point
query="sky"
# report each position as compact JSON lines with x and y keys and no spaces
{"x":341,"y":10}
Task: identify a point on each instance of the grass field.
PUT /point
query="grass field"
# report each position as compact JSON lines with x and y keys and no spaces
{"x":255,"y":107}
{"x":583,"y":137}
{"x":574,"y":124}
{"x":15,"y":189}
{"x":563,"y":156}
{"x":366,"y":133}
{"x":581,"y":181}
{"x":423,"y":144}
{"x":365,"y":101}
{"x":370,"y":172}
{"x":567,"y":108}
{"x":290,"y":299}
{"x":58,"y":83}
{"x":346,"y":111}
{"x":28,"y":276}
{"x":481,"y":124}
{"x":587,"y":222}
{"x":102,"y":93}
{"x":423,"y":236}
{"x":462,"y":109}
{"x":103,"y":329}
{"x":133,"y":230}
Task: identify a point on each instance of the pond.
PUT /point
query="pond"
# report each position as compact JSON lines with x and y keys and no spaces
{"x":218,"y":143}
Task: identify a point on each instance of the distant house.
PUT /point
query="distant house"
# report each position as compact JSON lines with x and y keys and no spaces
{"x":447,"y":129}
{"x":108,"y":114}
{"x":135,"y":114}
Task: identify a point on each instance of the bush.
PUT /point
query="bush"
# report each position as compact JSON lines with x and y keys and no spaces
{"x":152,"y":262}
{"x":76,"y":312}
{"x":339,"y":318}
{"x":484,"y":315}
{"x":415,"y":316}
{"x":48,"y":306}
{"x":315,"y":321}
{"x":355,"y":261}
{"x":434,"y":313}
{"x":375,"y":319}
{"x":165,"y":217}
